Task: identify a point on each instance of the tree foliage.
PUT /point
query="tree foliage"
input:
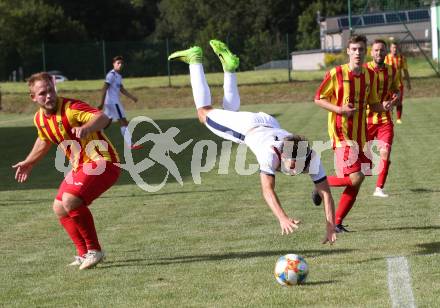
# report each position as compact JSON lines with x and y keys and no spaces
{"x":255,"y":29}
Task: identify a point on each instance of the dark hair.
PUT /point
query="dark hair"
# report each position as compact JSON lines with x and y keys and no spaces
{"x":379,"y":41}
{"x":42,"y":76}
{"x":394,"y":43}
{"x":294,"y":143}
{"x":357,"y":39}
{"x":117,"y":58}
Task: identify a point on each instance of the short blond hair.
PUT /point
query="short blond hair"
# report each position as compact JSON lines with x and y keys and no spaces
{"x":42,"y":76}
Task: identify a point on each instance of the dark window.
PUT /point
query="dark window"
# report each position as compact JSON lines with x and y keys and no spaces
{"x":355,"y":22}
{"x":374,"y":19}
{"x":396,"y":17}
{"x":418,"y":15}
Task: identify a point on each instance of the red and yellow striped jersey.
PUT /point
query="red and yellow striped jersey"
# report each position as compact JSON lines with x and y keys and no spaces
{"x":342,"y":87}
{"x":57,"y":128}
{"x":398,"y":62}
{"x":387,"y":83}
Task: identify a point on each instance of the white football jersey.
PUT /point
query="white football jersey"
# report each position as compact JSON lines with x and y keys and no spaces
{"x":114,"y":80}
{"x":261,"y":133}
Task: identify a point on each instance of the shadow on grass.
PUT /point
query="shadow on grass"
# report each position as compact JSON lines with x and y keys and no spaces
{"x":429,"y":248}
{"x":219,"y":257}
{"x":20,"y":202}
{"x":415,"y":228}
{"x":150,"y":195}
{"x":16,"y":142}
{"x":424,"y":190}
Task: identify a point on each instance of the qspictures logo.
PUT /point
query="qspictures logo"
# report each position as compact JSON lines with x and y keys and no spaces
{"x":205,"y":156}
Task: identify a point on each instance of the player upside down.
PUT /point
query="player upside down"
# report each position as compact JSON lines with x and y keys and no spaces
{"x":275,"y":148}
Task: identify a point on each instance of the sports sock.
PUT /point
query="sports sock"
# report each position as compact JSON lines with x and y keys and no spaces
{"x":346,"y":202}
{"x":231,"y":98}
{"x":200,"y":88}
{"x":337,"y":181}
{"x":126,"y":134}
{"x":84,"y":222}
{"x":399,"y":109}
{"x":70,"y":227}
{"x":381,"y":179}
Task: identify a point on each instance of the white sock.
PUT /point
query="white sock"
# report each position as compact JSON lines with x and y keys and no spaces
{"x":126,"y":134}
{"x":231,"y":97}
{"x":200,"y":88}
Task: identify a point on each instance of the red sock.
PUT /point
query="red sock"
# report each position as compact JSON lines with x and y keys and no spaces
{"x":337,"y":181}
{"x":348,"y":198}
{"x":84,"y":222}
{"x":70,"y":227}
{"x":399,"y":111}
{"x":381,"y":179}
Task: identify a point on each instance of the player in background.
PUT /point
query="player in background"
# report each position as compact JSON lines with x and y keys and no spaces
{"x":76,"y":128}
{"x":345,"y":92}
{"x":398,"y":61}
{"x":380,"y":125}
{"x":110,"y":99}
{"x":275,"y":148}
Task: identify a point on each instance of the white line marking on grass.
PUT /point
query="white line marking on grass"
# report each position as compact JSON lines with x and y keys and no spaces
{"x":399,"y":282}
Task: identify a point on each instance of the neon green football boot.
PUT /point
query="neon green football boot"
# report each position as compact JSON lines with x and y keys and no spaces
{"x":229,"y":61}
{"x":191,"y":55}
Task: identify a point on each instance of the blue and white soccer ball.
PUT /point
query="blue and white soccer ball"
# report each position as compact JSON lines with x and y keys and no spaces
{"x":291,"y":269}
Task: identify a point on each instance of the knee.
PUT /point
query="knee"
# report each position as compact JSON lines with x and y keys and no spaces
{"x":71,"y":202}
{"x":357,"y":178}
{"x":58,"y":209}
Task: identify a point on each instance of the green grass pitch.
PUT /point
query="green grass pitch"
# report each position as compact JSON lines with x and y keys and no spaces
{"x":216,"y":244}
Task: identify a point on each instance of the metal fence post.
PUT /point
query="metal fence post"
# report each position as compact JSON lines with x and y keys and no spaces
{"x":168,"y":62}
{"x":288,"y":57}
{"x":43,"y":53}
{"x":104,"y":60}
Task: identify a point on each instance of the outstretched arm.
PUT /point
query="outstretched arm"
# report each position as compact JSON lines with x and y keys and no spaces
{"x":24,"y":167}
{"x":128,"y":94}
{"x":329,"y":210}
{"x":268,"y":188}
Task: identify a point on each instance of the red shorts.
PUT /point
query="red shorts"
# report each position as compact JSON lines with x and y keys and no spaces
{"x":86,"y":185}
{"x":383,"y":132}
{"x":349,"y":160}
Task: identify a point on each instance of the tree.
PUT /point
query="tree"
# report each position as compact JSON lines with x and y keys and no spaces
{"x":23,"y":27}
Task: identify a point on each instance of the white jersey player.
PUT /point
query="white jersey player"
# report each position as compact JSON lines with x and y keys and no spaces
{"x":275,"y":148}
{"x":110,"y":99}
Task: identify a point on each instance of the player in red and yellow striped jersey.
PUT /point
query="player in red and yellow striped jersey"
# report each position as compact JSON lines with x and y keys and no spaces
{"x":398,"y":61}
{"x":76,"y":128}
{"x":380,"y":125}
{"x":345,"y":92}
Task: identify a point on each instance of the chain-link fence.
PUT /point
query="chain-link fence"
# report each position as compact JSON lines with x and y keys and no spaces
{"x":92,"y":60}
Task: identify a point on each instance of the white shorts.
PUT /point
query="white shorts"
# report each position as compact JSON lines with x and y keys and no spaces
{"x":114,"y":111}
{"x":234,"y":126}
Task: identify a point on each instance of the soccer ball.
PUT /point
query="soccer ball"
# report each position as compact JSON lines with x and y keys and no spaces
{"x":291,"y":269}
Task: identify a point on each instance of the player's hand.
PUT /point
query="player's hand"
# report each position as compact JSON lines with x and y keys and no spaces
{"x":23,"y":171}
{"x":330,"y":236}
{"x":347,"y":110}
{"x":288,"y":225}
{"x":80,"y":132}
{"x":387,"y":105}
{"x":395,"y":98}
